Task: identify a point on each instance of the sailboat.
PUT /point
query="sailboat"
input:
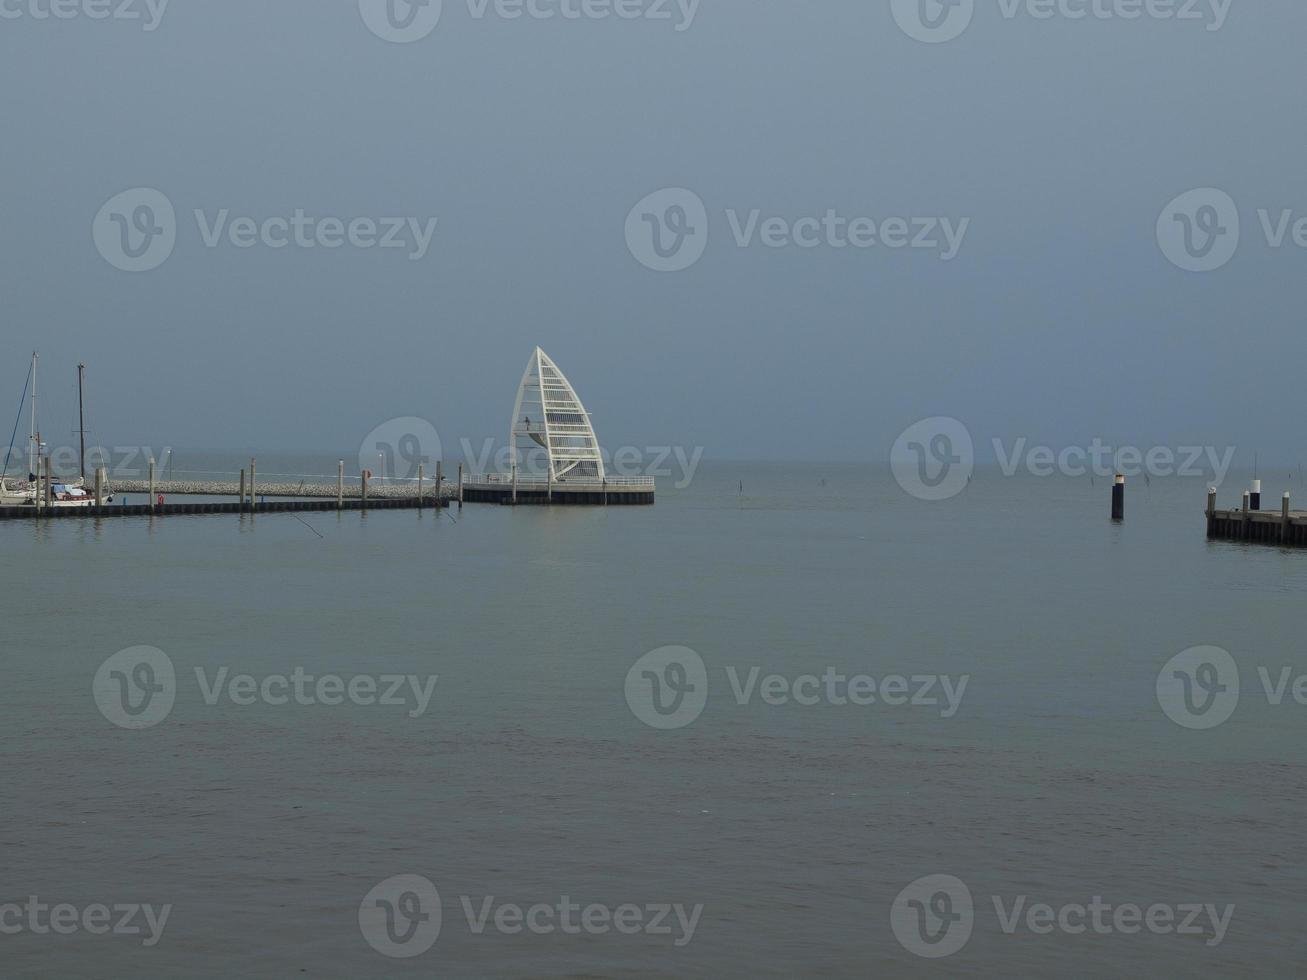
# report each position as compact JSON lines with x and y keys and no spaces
{"x":63,"y":493}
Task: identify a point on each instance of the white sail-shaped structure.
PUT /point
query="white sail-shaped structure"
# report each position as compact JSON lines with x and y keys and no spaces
{"x":549,"y":416}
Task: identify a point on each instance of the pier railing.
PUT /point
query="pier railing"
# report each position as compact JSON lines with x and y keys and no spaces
{"x":534,"y":481}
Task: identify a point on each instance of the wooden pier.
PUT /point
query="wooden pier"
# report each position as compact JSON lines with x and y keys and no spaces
{"x":1285,"y":527}
{"x":248,"y":497}
{"x":220,"y":507}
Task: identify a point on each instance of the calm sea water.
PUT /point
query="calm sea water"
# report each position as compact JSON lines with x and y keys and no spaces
{"x":529,"y":777}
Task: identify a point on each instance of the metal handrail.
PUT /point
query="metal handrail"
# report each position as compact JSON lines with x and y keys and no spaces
{"x":537,"y":480}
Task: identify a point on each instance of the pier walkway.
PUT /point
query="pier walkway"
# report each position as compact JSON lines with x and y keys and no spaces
{"x":165,"y":509}
{"x":1284,"y":527}
{"x":500,"y":488}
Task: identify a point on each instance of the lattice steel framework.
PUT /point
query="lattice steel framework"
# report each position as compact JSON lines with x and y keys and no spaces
{"x":548,"y":415}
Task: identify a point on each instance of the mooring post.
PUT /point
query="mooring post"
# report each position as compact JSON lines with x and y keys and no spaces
{"x":40,"y":494}
{"x":549,"y":485}
{"x":515,"y":482}
{"x":1211,"y":512}
{"x":1255,"y":496}
{"x":253,"y":479}
{"x":340,"y":485}
{"x":421,"y":474}
{"x":460,"y":485}
{"x":1284,"y":519}
{"x":605,"y":482}
{"x":99,"y":486}
{"x":1243,"y":528}
{"x":152,"y":483}
{"x":49,"y":483}
{"x":239,"y":506}
{"x":363,"y":485}
{"x":1118,"y":498}
{"x":440,"y":479}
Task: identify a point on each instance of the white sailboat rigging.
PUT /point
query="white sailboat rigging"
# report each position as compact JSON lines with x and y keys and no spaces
{"x":29,"y":493}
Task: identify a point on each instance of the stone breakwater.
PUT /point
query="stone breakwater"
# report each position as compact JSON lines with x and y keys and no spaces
{"x":220,"y":488}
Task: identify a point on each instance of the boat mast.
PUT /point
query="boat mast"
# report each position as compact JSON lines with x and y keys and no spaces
{"x":33,"y":437}
{"x":81,"y":417}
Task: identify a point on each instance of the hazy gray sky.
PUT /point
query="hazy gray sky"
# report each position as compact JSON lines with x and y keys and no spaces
{"x":1059,"y":139}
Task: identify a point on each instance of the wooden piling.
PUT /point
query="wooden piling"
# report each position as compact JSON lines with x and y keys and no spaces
{"x":152,"y":484}
{"x":254,"y":468}
{"x":49,"y":484}
{"x":1118,"y":498}
{"x":421,"y":474}
{"x":514,"y":483}
{"x":1286,"y":529}
{"x":363,"y":487}
{"x":340,"y":485}
{"x":460,"y":484}
{"x":242,"y":497}
{"x":99,"y":486}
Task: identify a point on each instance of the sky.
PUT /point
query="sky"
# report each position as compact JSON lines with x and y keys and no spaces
{"x":550,"y":150}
